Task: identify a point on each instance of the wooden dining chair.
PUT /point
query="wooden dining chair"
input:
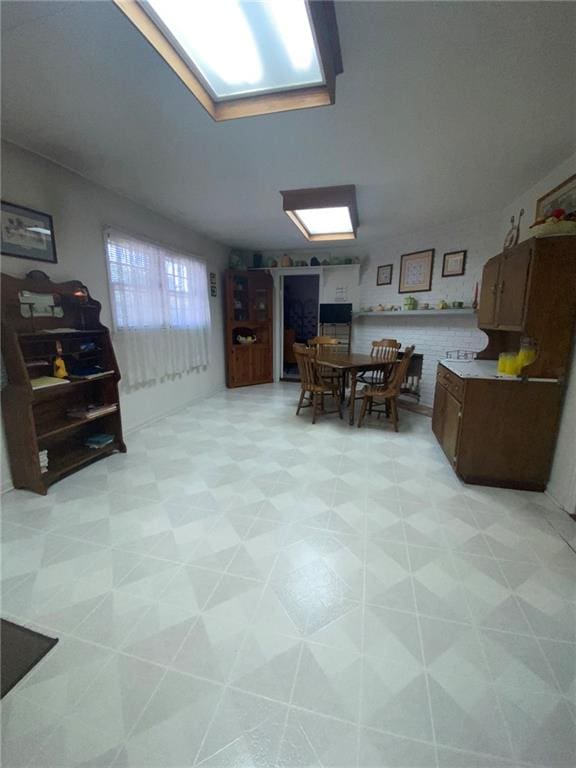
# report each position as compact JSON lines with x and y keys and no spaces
{"x":331,"y":346}
{"x":386,"y":394}
{"x":312,"y":385}
{"x":386,"y":351}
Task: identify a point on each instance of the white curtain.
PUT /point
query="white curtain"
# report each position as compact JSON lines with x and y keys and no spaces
{"x":161,"y":309}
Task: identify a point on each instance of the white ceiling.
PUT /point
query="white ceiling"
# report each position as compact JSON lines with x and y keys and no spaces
{"x":444,"y":110}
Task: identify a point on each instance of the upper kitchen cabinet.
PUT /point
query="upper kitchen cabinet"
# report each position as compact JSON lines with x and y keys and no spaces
{"x":530,"y":290}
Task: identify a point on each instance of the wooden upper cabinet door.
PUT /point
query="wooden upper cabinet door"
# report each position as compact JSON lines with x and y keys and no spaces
{"x":488,"y":293}
{"x":513,"y":281}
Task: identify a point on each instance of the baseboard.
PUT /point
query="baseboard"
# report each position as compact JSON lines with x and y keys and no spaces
{"x":6,"y":487}
{"x":423,"y":410}
{"x":171,"y":412}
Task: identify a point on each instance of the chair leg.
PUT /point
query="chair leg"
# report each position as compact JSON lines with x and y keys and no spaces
{"x":362,"y":411}
{"x":394,"y":408}
{"x":315,"y":407}
{"x":302,"y":396}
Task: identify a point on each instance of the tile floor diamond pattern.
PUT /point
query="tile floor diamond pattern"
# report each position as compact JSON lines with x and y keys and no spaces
{"x":244,"y":590}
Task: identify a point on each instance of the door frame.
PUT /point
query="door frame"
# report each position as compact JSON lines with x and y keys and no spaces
{"x":278,"y":276}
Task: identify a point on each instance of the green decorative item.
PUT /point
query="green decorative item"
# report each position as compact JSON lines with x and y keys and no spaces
{"x":237,"y":260}
{"x":410,"y":303}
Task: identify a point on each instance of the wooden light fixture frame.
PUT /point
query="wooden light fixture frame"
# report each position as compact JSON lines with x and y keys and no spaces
{"x":322,"y":17}
{"x":322,"y":197}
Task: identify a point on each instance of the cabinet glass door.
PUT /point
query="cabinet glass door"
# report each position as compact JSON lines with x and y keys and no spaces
{"x":261,"y":305}
{"x":240,"y":298}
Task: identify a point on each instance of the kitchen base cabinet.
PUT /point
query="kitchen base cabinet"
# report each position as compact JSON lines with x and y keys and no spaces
{"x":497,"y":432}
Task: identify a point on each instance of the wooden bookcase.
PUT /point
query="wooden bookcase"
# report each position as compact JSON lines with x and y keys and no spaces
{"x":248,"y":313}
{"x":37,"y":419}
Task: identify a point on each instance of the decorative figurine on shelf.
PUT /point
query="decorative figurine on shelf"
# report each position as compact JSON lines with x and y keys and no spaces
{"x":513,"y":233}
{"x":60,"y":371}
{"x":59,"y":365}
{"x":558,"y":222}
{"x":314,"y":262}
{"x":286,"y":261}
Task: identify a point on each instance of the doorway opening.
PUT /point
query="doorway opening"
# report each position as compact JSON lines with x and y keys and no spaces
{"x":301,"y":300}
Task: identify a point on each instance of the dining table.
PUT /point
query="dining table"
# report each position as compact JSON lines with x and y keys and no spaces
{"x":350,"y":364}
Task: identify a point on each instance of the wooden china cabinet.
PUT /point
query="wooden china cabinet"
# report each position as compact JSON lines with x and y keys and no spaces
{"x":501,"y":430}
{"x":248,"y":316}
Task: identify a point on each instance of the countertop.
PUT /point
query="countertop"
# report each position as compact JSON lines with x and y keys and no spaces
{"x":482,"y":369}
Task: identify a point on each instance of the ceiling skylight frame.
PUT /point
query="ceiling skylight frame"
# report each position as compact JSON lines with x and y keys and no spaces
{"x":324,"y":29}
{"x":315,"y":198}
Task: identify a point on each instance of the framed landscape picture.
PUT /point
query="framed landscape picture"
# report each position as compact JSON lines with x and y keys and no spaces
{"x":384,"y":275}
{"x":562,"y":196}
{"x":416,"y":271}
{"x":454,"y":263}
{"x":27,"y":234}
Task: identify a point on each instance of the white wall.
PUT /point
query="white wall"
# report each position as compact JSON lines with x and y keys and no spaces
{"x":81,"y":210}
{"x":562,"y":485}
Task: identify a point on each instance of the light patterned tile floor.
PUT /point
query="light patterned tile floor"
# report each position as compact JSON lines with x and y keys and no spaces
{"x":245,"y":589}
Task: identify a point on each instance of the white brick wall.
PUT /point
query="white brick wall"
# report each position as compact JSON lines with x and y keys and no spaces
{"x":433,"y":336}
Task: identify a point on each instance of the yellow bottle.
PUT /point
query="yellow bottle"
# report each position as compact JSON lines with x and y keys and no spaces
{"x":527,"y":353}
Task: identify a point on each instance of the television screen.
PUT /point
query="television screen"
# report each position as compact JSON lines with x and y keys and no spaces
{"x":335,"y":313}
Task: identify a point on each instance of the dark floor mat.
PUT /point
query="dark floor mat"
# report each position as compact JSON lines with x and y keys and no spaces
{"x":21,"y":650}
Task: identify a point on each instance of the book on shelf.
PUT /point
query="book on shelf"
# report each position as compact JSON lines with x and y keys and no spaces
{"x":79,"y":371}
{"x":99,"y":440}
{"x":91,"y":411}
{"x":46,"y":381}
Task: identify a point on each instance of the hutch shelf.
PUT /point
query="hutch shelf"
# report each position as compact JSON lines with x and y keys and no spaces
{"x":71,"y":423}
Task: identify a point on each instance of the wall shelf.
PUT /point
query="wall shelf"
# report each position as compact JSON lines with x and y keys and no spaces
{"x":418,"y":312}
{"x":306,"y":267}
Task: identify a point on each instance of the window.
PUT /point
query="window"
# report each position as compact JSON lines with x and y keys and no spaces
{"x":240,"y":57}
{"x":160,"y":308}
{"x":153,"y":287}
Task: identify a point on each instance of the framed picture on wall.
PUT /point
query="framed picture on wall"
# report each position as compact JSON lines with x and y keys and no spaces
{"x":416,"y":271}
{"x":384,"y":275}
{"x":213,"y":291}
{"x":562,"y":196}
{"x":454,"y":263}
{"x":27,"y":234}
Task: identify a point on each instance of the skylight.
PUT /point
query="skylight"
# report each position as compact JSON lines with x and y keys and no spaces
{"x":245,"y":57}
{"x":326,"y":221}
{"x":242,"y":48}
{"x":323,"y":213}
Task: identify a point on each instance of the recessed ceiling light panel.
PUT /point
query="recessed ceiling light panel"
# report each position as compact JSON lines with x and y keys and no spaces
{"x":323,"y":213}
{"x":241,"y":57}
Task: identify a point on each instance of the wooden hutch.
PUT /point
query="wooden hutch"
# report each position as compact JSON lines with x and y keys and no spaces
{"x":497,"y":429}
{"x":43,"y":321}
{"x":248,"y":316}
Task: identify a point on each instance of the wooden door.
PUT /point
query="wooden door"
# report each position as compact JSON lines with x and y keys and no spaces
{"x":488,"y":293}
{"x":239,"y":365}
{"x":260,"y":364}
{"x":451,"y":427}
{"x":513,"y":280}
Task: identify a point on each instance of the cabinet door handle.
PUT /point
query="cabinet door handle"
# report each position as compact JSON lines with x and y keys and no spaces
{"x":502,"y":284}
